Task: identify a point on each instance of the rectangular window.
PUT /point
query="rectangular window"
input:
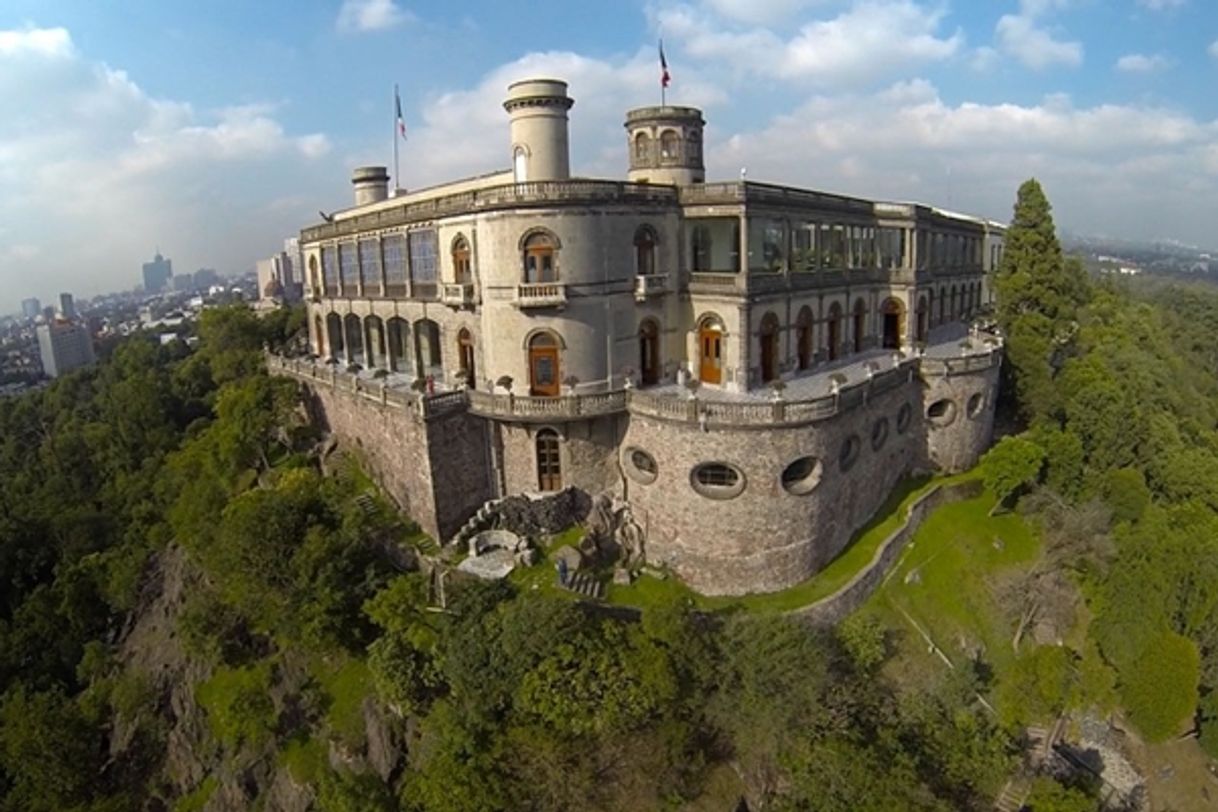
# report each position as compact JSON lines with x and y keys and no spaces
{"x":892,"y":248}
{"x":394,"y":251}
{"x":329,"y":269}
{"x":370,"y":266}
{"x":803,"y":248}
{"x":923,"y":250}
{"x":767,"y":245}
{"x":349,"y":267}
{"x":714,"y":244}
{"x":832,"y":246}
{"x":423,"y":256}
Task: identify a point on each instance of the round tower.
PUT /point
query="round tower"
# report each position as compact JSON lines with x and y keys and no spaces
{"x":665,"y":145}
{"x":371,"y":184}
{"x":540,"y":147}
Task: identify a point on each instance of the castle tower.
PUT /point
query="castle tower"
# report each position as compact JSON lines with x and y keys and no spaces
{"x":665,"y":145}
{"x":371,"y":184}
{"x":540,"y":146}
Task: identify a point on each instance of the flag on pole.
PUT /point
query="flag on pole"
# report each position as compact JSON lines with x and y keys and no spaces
{"x":665,"y":77}
{"x":397,"y":100}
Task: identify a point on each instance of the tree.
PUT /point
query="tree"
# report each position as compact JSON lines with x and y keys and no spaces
{"x":1039,"y":294}
{"x":1010,"y":466}
{"x":1159,"y":688}
{"x":49,"y":750}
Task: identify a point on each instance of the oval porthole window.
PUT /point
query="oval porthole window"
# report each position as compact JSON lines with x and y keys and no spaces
{"x":903,"y":418}
{"x":802,"y":476}
{"x":850,"y":452}
{"x":879,"y":434}
{"x":640,"y":466}
{"x":974,"y":404}
{"x":942,"y":412}
{"x":717,"y":480}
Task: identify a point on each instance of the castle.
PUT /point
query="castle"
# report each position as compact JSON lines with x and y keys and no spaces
{"x":752,"y":367}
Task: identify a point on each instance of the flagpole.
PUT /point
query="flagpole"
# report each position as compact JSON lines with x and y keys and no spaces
{"x":396,"y":181}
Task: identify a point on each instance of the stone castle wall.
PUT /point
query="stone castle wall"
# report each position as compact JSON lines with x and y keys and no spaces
{"x":955,"y":444}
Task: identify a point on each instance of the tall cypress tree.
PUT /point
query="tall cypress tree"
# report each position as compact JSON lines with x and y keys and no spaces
{"x":1039,"y":294}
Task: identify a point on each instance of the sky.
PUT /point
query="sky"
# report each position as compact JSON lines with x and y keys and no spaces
{"x":212,"y":131}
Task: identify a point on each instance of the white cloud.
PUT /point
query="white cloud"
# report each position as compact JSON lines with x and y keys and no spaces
{"x":757,"y":11}
{"x":1019,"y":36}
{"x":371,"y":15}
{"x":870,"y":41}
{"x":54,"y":42}
{"x":94,"y":172}
{"x":1141,"y":63}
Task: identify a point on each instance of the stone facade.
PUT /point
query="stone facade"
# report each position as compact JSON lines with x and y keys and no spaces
{"x":778,"y":358}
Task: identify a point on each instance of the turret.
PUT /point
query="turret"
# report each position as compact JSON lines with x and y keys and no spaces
{"x":371,"y":184}
{"x":665,"y":145}
{"x":540,"y":145}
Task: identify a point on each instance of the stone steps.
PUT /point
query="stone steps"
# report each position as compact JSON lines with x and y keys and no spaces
{"x":584,"y":584}
{"x":1013,"y":795}
{"x":366,"y":504}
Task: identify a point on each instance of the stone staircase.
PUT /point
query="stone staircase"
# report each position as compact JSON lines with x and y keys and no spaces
{"x":366,"y":503}
{"x":584,"y":584}
{"x":483,"y":519}
{"x":1013,"y":795}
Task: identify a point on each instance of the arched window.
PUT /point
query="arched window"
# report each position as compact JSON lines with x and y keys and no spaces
{"x":335,"y":338}
{"x":465,"y":354}
{"x":770,"y":361}
{"x":539,"y":258}
{"x":693,"y":145}
{"x":670,"y":145}
{"x":649,"y":352}
{"x":549,"y":466}
{"x":427,"y":347}
{"x":520,"y":165}
{"x":314,"y":278}
{"x":461,"y":268}
{"x":543,"y":365}
{"x":319,"y":337}
{"x":642,"y":145}
{"x":645,"y":251}
{"x":803,"y":339}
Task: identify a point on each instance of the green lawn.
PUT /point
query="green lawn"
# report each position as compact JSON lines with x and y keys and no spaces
{"x":956,"y":554}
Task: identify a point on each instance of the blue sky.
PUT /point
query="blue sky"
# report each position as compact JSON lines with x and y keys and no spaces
{"x":213,"y":130}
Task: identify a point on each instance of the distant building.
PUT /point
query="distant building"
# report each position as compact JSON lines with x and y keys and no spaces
{"x":67,"y":306}
{"x":48,"y":314}
{"x":279,"y":278}
{"x":157,"y":273}
{"x":30,"y":308}
{"x":205,"y":278}
{"x":64,"y":346}
{"x":184,"y":283}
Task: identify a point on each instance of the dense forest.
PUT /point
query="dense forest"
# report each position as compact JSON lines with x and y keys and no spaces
{"x":199,"y":611}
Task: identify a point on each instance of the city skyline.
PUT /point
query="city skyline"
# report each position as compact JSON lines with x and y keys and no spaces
{"x":132,"y":132}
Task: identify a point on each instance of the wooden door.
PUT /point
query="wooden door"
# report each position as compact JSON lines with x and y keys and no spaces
{"x":543,"y":372}
{"x":712,"y":356}
{"x":649,"y":362}
{"x":467,"y":363}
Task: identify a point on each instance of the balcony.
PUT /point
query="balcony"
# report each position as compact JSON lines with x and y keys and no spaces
{"x":457,"y":295}
{"x":647,"y":286}
{"x":541,"y":294}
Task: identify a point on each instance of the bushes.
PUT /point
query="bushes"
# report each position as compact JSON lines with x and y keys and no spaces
{"x":1159,"y":688}
{"x":238,"y":704}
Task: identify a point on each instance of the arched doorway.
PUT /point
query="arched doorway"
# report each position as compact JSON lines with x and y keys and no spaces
{"x":860,"y":324}
{"x":922,"y":328}
{"x":543,"y":365}
{"x":399,"y":344}
{"x":355,"y":339}
{"x":893,"y":312}
{"x":649,"y":352}
{"x":834,"y":328}
{"x":461,"y":262}
{"x":645,"y":251}
{"x":427,"y":347}
{"x":549,"y":465}
{"x":334,"y":336}
{"x":465,"y":353}
{"x":953,"y":311}
{"x":319,"y":337}
{"x":374,"y":340}
{"x":710,"y":350}
{"x":769,"y":348}
{"x":539,"y":264}
{"x":803,"y":339}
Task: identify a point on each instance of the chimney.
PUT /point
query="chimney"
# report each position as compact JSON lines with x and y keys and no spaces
{"x":371,"y":184}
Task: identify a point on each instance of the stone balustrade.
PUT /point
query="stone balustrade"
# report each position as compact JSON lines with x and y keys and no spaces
{"x":516,"y":407}
{"x":457,"y":295}
{"x":651,"y":285}
{"x":541,"y":294}
{"x":506,"y":196}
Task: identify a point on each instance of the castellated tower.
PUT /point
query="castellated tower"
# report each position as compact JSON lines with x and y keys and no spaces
{"x":540,"y":145}
{"x":665,"y":145}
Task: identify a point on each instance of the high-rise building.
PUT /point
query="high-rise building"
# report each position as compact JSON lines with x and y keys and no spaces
{"x":67,"y":306}
{"x":157,"y":273}
{"x":30,"y":307}
{"x":279,"y":277}
{"x":64,"y":346}
{"x":48,"y":314}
